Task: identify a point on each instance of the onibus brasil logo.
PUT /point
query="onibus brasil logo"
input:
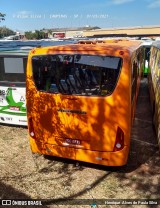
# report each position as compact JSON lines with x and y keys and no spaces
{"x":16,"y":107}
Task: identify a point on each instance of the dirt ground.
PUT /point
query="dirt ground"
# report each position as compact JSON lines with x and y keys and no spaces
{"x":24,"y":176}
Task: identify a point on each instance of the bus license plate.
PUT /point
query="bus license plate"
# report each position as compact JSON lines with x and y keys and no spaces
{"x":73,"y":141}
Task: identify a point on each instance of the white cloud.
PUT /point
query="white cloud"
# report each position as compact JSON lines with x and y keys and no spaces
{"x":117,"y":2}
{"x":154,"y":4}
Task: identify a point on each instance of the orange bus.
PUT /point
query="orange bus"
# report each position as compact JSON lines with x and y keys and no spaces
{"x":154,"y":86}
{"x":81,"y":100}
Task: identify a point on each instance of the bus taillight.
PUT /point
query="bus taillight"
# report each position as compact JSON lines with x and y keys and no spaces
{"x":119,"y":144}
{"x":31,"y":128}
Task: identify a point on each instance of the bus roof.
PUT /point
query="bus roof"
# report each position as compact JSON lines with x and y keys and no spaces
{"x":147,"y":43}
{"x":156,"y":44}
{"x":20,"y":51}
{"x":20,"y":48}
{"x":109,"y":46}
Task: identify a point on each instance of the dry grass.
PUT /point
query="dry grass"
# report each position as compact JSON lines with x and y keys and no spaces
{"x":37,"y":177}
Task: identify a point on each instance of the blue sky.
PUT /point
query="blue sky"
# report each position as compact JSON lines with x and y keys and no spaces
{"x":37,"y":14}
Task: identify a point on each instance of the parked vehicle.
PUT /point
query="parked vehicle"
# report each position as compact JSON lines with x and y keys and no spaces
{"x":81,"y":99}
{"x":154,"y":85}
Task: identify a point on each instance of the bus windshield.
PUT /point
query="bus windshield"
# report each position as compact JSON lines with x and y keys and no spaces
{"x":88,"y":75}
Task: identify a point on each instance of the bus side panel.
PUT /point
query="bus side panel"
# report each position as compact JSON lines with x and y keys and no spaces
{"x":156,"y":86}
{"x":136,"y":72}
{"x":159,"y":132}
{"x":12,"y":87}
{"x":151,"y":78}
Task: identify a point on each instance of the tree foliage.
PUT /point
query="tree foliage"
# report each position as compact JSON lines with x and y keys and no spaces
{"x":2,"y":16}
{"x":4,"y":32}
{"x":35,"y":35}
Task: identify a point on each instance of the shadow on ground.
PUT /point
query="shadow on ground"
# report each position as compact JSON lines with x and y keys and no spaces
{"x":141,"y":174}
{"x":142,"y":170}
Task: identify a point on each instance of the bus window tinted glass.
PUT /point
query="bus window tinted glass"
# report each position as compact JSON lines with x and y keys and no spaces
{"x":76,"y":74}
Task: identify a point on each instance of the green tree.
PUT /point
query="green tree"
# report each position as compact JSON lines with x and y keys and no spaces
{"x":35,"y":35}
{"x":2,"y":16}
{"x":50,"y":33}
{"x":29,"y":35}
{"x":4,"y":32}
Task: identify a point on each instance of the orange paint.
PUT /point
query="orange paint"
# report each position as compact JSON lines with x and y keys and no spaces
{"x":79,"y":126}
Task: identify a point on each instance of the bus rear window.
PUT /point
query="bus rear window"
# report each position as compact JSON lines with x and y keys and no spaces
{"x":76,"y":74}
